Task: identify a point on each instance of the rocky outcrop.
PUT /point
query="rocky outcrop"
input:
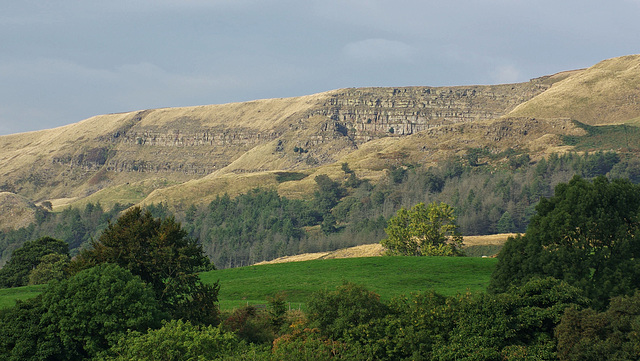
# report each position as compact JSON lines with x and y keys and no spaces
{"x":373,"y":112}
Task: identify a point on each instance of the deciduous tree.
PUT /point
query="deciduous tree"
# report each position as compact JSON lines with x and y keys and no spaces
{"x":586,"y":234}
{"x":79,"y":317}
{"x":423,"y":231}
{"x":16,"y":272}
{"x":162,"y":255}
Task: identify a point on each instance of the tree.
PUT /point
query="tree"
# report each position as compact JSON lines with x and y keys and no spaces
{"x":176,"y":340}
{"x":517,"y":325}
{"x":328,"y":194}
{"x":423,"y":231}
{"x":505,"y":223}
{"x":162,"y":255}
{"x":79,"y":317}
{"x":611,"y":335}
{"x":51,"y":267}
{"x":16,"y":272}
{"x":337,"y":312}
{"x":586,"y":234}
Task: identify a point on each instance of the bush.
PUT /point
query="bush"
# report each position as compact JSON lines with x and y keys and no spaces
{"x":335,"y":313}
{"x":176,"y":340}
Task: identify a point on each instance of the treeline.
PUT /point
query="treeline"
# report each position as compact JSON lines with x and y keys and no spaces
{"x":350,"y":211}
{"x":74,"y":226}
{"x":491,"y":193}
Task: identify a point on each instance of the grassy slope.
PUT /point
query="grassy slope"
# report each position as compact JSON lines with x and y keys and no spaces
{"x":387,"y":276}
{"x":606,"y":93}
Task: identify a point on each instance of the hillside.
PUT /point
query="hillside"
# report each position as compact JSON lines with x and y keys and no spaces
{"x":15,"y":211}
{"x":376,"y":249}
{"x":190,"y":155}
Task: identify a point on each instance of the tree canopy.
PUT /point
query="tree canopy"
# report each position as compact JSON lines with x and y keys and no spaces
{"x":16,"y":272}
{"x":423,"y":231}
{"x":586,"y":234}
{"x":162,"y":255}
{"x":79,"y":317}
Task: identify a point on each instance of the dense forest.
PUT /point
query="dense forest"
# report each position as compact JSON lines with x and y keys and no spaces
{"x":490,"y":193}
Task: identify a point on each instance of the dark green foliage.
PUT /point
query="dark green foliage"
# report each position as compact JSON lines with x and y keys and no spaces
{"x":587,"y":335}
{"x":586,"y":235}
{"x":51,"y":267}
{"x":506,"y":224}
{"x":397,"y":174}
{"x":519,"y":161}
{"x":89,"y":312}
{"x":509,"y":325}
{"x":252,"y":227}
{"x":160,"y":252}
{"x":628,"y":169}
{"x":20,"y":332}
{"x":328,"y":194}
{"x":515,"y":325}
{"x":337,"y":312}
{"x":73,"y":226}
{"x":282,"y":177}
{"x":414,"y":324}
{"x":79,"y":317}
{"x":176,"y":340}
{"x":277,"y":308}
{"x":345,"y":168}
{"x":16,"y":272}
{"x":353,"y":181}
{"x":250,"y":324}
{"x":328,"y":224}
{"x":474,"y":155}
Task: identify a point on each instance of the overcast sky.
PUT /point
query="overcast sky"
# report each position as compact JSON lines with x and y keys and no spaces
{"x":66,"y":60}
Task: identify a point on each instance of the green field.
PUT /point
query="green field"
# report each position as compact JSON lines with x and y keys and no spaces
{"x":8,"y":296}
{"x":387,"y":276}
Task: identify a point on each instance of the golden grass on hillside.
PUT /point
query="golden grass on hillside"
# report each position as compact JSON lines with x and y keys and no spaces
{"x":376,"y":249}
{"x":15,"y":211}
{"x":606,"y":93}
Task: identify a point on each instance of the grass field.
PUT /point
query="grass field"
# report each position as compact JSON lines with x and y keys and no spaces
{"x":387,"y":276}
{"x":8,"y":296}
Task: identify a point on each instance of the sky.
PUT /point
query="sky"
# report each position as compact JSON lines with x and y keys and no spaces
{"x":64,"y":61}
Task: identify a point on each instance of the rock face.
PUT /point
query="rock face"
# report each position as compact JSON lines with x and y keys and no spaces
{"x":375,"y":112}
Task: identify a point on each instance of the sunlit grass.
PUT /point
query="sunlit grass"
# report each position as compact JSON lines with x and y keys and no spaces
{"x":387,"y":276}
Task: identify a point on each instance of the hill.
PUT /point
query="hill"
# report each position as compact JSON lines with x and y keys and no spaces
{"x":191,"y":155}
{"x":232,"y":147}
{"x":15,"y":211}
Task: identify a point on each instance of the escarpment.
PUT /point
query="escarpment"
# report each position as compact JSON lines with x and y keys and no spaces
{"x":178,"y":145}
{"x":188,"y":143}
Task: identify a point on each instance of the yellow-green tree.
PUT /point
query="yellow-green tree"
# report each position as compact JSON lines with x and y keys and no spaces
{"x":424,"y":230}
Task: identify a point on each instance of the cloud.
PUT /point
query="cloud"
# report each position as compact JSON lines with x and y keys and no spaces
{"x":379,"y":51}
